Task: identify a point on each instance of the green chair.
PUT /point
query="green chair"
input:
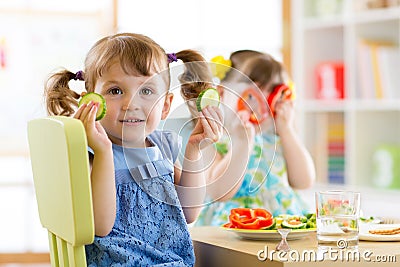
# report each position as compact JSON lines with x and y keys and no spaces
{"x":60,"y":166}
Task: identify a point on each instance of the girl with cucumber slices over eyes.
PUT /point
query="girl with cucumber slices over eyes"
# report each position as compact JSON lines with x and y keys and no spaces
{"x":142,"y":197}
{"x":277,"y":162}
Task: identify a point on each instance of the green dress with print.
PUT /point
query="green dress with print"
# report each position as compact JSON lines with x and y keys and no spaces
{"x":265,"y":185}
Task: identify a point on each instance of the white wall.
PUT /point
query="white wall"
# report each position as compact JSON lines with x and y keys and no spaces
{"x":211,"y":27}
{"x":36,"y":37}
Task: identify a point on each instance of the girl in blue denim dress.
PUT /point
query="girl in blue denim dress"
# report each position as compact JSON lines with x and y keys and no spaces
{"x":142,"y":197}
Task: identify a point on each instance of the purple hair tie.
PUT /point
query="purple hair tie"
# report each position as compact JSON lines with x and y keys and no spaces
{"x":172,"y":57}
{"x":79,"y":76}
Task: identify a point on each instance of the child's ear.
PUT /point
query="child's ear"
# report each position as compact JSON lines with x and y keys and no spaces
{"x":220,"y":90}
{"x":167,"y":105}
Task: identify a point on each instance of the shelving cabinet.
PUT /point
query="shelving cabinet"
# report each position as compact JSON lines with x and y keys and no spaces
{"x":354,"y":140}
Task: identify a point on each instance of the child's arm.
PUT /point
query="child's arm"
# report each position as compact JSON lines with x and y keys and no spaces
{"x":226,"y":174}
{"x":102,"y":170}
{"x":299,"y":164}
{"x":191,"y":182}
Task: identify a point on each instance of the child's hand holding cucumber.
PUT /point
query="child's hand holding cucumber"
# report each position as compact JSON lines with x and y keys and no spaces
{"x":209,"y":126}
{"x":96,"y":98}
{"x":92,"y":106}
{"x":208,"y":97}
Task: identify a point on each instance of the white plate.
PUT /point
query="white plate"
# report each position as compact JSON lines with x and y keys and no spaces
{"x":270,"y":234}
{"x":365,"y":235}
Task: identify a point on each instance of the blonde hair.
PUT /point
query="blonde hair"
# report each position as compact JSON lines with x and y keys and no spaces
{"x":137,"y":55}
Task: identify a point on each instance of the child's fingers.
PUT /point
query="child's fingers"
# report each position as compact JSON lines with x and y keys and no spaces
{"x":91,"y":117}
{"x":213,"y":125}
{"x":86,"y":111}
{"x":218,"y":112}
{"x":211,"y":119}
{"x":78,"y":113}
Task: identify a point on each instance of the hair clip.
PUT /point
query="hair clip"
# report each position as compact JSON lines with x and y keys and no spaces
{"x":172,"y":57}
{"x":79,"y":76}
{"x":221,"y":67}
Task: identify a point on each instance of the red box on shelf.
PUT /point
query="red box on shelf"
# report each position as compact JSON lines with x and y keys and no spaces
{"x":330,"y":80}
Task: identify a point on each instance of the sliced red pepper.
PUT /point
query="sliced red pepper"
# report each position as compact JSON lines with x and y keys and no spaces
{"x":245,"y":218}
{"x":280,"y":92}
{"x":228,"y":225}
{"x":254,"y":102}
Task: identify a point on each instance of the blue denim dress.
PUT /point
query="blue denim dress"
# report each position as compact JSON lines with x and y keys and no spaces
{"x":150,"y":228}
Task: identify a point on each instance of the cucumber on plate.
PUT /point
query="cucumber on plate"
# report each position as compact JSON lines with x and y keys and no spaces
{"x":208,"y":97}
{"x":101,"y":110}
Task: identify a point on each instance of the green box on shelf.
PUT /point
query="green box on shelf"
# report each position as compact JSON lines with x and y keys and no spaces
{"x":386,"y":166}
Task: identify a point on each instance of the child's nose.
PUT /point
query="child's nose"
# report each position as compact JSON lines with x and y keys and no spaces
{"x":130,"y":104}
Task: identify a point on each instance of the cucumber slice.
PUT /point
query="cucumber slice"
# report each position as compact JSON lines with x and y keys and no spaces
{"x":208,"y":97}
{"x":297,"y":225}
{"x":101,"y":110}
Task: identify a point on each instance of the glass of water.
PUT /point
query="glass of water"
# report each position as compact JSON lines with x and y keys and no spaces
{"x":338,"y":214}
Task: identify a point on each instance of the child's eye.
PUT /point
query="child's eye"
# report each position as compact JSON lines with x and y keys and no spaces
{"x":146,"y":91}
{"x":115,"y":91}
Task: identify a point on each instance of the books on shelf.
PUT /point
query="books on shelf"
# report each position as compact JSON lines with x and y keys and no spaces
{"x":378,"y":66}
{"x":336,"y":150}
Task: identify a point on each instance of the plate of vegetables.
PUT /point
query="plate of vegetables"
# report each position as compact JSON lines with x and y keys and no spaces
{"x":259,"y":224}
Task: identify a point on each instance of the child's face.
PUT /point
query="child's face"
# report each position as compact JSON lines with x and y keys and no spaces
{"x":135,"y":105}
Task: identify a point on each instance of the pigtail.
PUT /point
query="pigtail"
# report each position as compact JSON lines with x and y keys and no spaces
{"x":196,"y":76}
{"x":60,"y":99}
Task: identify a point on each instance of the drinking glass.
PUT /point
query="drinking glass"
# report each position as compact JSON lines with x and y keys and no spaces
{"x":338,"y":214}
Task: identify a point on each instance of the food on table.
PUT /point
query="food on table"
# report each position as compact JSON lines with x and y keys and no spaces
{"x":371,"y":219}
{"x":257,"y":219}
{"x":245,"y":218}
{"x":390,"y":231}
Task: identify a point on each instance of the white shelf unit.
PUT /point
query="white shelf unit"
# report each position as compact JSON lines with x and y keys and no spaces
{"x":367,"y":123}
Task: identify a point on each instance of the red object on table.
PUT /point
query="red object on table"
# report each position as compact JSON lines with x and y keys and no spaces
{"x":245,"y":218}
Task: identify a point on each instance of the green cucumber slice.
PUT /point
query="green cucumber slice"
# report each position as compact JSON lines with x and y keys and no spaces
{"x":101,"y":110}
{"x":299,"y":225}
{"x":208,"y":97}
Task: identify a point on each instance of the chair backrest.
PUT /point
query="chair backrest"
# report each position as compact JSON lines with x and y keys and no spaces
{"x":60,"y":166}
